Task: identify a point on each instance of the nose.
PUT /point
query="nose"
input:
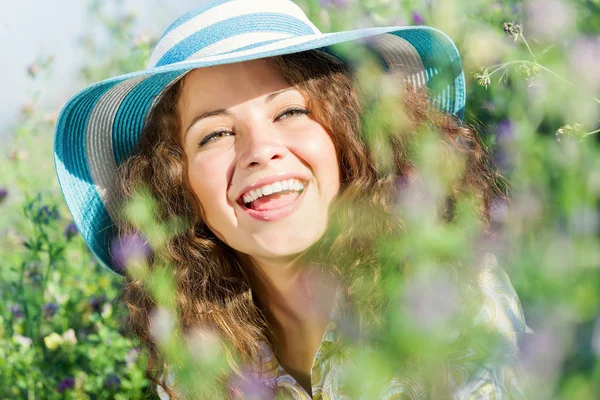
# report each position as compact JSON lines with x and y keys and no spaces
{"x":260,"y":145}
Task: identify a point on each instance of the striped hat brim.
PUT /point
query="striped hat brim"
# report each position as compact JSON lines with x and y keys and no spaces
{"x":100,"y":126}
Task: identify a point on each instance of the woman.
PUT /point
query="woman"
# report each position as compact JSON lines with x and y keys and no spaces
{"x":247,"y":127}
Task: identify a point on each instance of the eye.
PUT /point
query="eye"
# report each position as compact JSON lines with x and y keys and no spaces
{"x":292,"y":112}
{"x":215,"y":136}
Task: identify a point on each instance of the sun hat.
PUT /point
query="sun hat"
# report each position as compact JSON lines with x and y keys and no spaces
{"x":99,"y":127}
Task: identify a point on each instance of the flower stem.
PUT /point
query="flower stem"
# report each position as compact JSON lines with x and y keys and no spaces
{"x":591,"y":133}
{"x":563,"y":79}
{"x":501,"y":66}
{"x":528,"y":48}
{"x":548,"y":70}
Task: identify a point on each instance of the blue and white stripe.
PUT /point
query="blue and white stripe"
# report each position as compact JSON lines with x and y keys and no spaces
{"x":228,"y":21}
{"x":103,"y":165}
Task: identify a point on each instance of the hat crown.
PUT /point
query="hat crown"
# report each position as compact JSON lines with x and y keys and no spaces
{"x":224,"y":26}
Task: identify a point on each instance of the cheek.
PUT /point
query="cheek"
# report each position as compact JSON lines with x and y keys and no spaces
{"x":208,"y":180}
{"x":331,"y":173}
{"x":319,"y":151}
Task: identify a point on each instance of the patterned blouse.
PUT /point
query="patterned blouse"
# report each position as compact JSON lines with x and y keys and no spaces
{"x":464,"y":374}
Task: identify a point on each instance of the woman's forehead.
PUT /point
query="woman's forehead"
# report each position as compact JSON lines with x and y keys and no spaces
{"x":225,"y":86}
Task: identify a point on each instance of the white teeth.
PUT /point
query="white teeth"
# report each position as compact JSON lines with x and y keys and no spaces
{"x":267,"y":190}
{"x":289,"y":184}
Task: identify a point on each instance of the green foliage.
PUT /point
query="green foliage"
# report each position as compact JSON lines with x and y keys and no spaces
{"x":62,"y":328}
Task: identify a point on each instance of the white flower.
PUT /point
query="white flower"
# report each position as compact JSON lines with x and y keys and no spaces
{"x":204,"y":344}
{"x":23,"y":340}
{"x":162,"y":324}
{"x":107,"y":310}
{"x":69,"y":337}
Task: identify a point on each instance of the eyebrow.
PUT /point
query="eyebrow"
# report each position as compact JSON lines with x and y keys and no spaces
{"x":222,"y":111}
{"x":270,"y":97}
{"x":206,"y":114}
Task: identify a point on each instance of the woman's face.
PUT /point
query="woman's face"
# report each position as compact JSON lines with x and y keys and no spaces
{"x":262,"y":169}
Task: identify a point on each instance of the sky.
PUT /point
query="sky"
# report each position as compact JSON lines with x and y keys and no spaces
{"x":30,"y":29}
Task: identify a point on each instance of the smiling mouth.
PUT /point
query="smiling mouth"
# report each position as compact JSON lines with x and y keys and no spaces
{"x":273,"y":196}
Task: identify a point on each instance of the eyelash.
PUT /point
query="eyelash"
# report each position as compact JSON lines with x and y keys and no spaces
{"x":217,"y":134}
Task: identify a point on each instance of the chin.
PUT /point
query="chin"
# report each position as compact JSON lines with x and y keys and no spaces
{"x":284,"y":245}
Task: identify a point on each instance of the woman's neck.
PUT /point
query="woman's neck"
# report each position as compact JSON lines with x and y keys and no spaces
{"x":296,"y":301}
{"x":293,"y":293}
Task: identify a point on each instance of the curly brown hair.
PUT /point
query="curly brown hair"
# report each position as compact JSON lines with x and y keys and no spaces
{"x":213,"y":288}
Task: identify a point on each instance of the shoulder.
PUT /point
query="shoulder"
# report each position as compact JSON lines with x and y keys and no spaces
{"x":500,"y":308}
{"x":487,"y":361}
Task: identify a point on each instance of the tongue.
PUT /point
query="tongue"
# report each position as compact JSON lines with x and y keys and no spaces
{"x":273,"y":201}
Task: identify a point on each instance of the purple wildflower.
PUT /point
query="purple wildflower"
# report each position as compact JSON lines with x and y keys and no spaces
{"x":3,"y":193}
{"x":505,"y":135}
{"x":71,"y":231}
{"x":46,"y":213}
{"x":543,"y":353}
{"x":67,"y":383}
{"x":16,"y":311}
{"x":584,"y":58}
{"x":335,"y":3}
{"x":432,"y":301}
{"x":97,"y":303}
{"x":34,"y":272}
{"x":112,"y":382}
{"x":402,"y":182}
{"x":129,"y":249}
{"x":505,"y":130}
{"x":416,"y":199}
{"x":49,"y":310}
{"x":548,"y":19}
{"x":417,"y":18}
{"x":249,"y":386}
{"x":498,"y":211}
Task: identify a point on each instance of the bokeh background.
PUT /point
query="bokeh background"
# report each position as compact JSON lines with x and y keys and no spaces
{"x":31,"y":30}
{"x":533,"y":71}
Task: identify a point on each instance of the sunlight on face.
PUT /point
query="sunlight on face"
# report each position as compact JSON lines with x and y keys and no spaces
{"x":263,"y":170}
